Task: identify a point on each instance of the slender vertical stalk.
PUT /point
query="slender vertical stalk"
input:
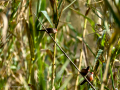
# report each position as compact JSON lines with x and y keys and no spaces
{"x":78,"y":72}
{"x":53,"y":65}
{"x":83,"y":52}
{"x":55,"y":21}
{"x":84,"y":31}
{"x":106,"y":69}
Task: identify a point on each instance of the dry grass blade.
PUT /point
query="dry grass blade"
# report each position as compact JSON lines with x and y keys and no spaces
{"x":5,"y":27}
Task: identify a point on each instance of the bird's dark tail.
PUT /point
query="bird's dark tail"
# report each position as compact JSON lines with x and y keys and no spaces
{"x":88,"y":67}
{"x":42,"y":30}
{"x":82,"y":82}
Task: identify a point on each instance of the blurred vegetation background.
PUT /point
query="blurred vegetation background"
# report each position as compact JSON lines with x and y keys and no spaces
{"x":87,"y":30}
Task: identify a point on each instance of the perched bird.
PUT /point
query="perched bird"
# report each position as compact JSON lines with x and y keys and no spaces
{"x":84,"y":72}
{"x":89,"y":77}
{"x":50,"y":30}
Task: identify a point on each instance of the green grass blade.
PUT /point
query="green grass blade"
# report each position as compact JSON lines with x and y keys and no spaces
{"x":59,"y":74}
{"x":47,"y":17}
{"x":69,"y":5}
{"x":112,"y":77}
{"x":67,"y":80}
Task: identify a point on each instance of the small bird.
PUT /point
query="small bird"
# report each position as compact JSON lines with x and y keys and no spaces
{"x":50,"y":30}
{"x":89,"y":77}
{"x":84,"y":72}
